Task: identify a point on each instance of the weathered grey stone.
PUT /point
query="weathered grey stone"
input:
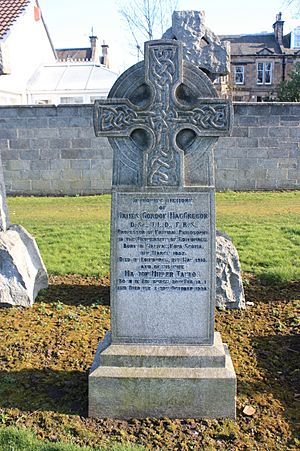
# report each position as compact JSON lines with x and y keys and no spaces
{"x":50,"y":149}
{"x":139,"y":381}
{"x":162,"y":356}
{"x":157,"y":290}
{"x":195,"y":126}
{"x":22,"y":272}
{"x":200,"y":45}
{"x":4,"y":218}
{"x":229,"y":286}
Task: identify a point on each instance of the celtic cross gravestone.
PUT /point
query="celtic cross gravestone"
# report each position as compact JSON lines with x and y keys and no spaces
{"x":162,"y":356}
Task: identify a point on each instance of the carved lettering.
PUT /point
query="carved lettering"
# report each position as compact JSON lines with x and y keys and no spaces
{"x":163,"y":250}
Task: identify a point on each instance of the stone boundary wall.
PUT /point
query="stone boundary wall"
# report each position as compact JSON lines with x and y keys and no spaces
{"x":52,"y":150}
{"x":263,"y":152}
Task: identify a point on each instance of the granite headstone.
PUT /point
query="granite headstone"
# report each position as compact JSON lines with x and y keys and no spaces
{"x":162,"y":356}
{"x":229,"y":285}
{"x":201,"y":46}
{"x":22,"y":271}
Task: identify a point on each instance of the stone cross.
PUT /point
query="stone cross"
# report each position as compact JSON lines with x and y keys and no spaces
{"x":162,"y":356}
{"x":163,"y":123}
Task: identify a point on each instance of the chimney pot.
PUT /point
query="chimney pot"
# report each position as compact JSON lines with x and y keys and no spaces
{"x":105,"y":60}
{"x":278,"y":29}
{"x":93,"y":41}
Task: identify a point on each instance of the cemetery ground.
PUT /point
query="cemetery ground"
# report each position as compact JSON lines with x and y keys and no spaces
{"x":46,"y":350}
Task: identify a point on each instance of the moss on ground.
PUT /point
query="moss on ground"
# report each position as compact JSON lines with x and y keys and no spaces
{"x":20,"y":439}
{"x":46,"y":351}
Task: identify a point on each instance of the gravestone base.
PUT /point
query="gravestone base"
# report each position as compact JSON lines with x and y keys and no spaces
{"x":178,"y":381}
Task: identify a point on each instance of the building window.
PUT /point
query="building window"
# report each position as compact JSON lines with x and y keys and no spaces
{"x":295,"y":38}
{"x":264,"y":73}
{"x":237,"y":98}
{"x":43,"y":102}
{"x":239,"y":75}
{"x":93,"y":98}
{"x":71,"y":100}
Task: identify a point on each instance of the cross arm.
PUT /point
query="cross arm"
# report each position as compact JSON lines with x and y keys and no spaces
{"x":208,"y":117}
{"x":114,"y":117}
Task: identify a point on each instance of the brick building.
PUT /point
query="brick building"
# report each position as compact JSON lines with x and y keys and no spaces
{"x":259,"y":62}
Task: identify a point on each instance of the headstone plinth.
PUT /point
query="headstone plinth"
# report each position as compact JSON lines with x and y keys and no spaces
{"x":162,"y":356}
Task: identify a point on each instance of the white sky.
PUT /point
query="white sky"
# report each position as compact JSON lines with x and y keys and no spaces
{"x":70,"y":22}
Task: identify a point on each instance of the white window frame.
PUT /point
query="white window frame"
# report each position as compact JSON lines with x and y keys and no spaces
{"x":266,"y":70}
{"x":95,"y":97}
{"x":242,"y":72}
{"x":68,"y":100}
{"x":297,"y":41}
{"x":295,"y":38}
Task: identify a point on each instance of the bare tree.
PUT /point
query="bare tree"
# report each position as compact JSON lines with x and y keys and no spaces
{"x":295,"y":4}
{"x":146,"y":19}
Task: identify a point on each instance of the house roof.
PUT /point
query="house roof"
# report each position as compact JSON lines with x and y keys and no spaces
{"x":10,"y":10}
{"x":72,"y":77}
{"x":253,"y":44}
{"x":1,"y":62}
{"x":75,"y":54}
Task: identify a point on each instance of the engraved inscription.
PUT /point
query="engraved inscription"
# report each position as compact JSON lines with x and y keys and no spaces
{"x":163,"y":243}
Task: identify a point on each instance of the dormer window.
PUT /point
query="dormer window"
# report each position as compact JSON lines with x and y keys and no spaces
{"x":295,"y":38}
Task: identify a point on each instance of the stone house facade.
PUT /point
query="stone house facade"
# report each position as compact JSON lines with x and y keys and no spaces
{"x":259,"y":62}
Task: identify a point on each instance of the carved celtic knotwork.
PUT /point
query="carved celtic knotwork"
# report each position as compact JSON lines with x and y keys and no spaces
{"x":161,"y":165}
{"x":163,"y":117}
{"x":160,"y":119}
{"x":162,"y":66}
{"x":211,"y":117}
{"x":117,"y":117}
{"x":162,"y":162}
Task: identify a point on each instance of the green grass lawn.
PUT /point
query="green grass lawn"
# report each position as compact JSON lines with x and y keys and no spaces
{"x":73,"y":232}
{"x":265,"y":228}
{"x":14,"y":439}
{"x":46,"y":350}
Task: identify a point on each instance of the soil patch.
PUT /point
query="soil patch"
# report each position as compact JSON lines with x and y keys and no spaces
{"x":46,"y":351}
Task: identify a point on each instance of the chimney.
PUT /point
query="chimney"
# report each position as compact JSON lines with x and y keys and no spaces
{"x":104,"y":59}
{"x":278,"y":29}
{"x":94,"y":49}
